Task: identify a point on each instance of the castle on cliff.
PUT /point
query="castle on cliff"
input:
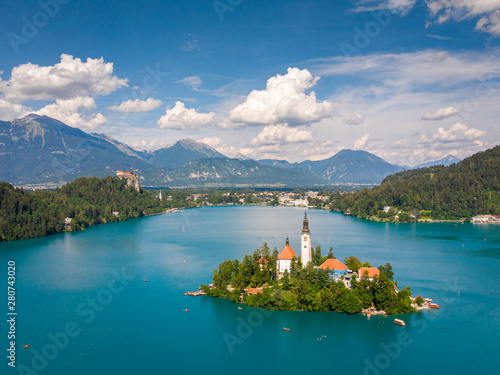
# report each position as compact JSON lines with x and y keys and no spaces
{"x":131,"y":177}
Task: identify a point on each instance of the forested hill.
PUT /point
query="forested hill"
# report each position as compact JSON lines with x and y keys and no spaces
{"x":88,"y":201}
{"x":470,"y":187}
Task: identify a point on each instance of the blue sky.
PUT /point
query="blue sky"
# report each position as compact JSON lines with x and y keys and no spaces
{"x":410,"y":81}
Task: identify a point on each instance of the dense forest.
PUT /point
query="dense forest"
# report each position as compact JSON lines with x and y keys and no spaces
{"x":87,"y":201}
{"x":468,"y":188}
{"x":306,"y":288}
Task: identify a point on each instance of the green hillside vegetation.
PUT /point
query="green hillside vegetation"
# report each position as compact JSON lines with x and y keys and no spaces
{"x":468,"y":188}
{"x":88,"y":201}
{"x":306,"y":288}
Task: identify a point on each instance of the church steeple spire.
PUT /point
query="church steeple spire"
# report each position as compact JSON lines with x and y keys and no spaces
{"x":287,"y":242}
{"x":305,"y":225}
{"x":305,"y":242}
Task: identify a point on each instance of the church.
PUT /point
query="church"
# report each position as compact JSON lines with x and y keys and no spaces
{"x":284,"y":261}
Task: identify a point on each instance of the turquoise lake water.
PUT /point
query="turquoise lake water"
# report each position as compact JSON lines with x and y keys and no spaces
{"x":86,"y":292}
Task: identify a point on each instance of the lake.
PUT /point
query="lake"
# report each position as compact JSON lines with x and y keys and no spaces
{"x":84,"y":308}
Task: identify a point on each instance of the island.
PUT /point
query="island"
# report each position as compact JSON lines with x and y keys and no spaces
{"x":312,"y":282}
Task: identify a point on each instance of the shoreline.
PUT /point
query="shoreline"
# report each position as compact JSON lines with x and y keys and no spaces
{"x":365,"y":312}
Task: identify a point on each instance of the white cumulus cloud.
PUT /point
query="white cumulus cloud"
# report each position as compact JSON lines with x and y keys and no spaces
{"x":354,"y":120}
{"x":10,"y":111}
{"x":456,"y":133}
{"x":211,"y":141}
{"x":182,"y":118}
{"x":283,"y":101}
{"x":362,"y":142}
{"x":282,"y":133}
{"x":440,"y":114}
{"x":68,"y":79}
{"x":137,"y":105}
{"x":75,"y":112}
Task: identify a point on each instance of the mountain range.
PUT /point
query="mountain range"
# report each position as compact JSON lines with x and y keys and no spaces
{"x":347,"y":166}
{"x":39,"y":150}
{"x":446,"y":161}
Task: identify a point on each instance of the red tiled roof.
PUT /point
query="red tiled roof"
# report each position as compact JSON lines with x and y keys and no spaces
{"x":287,"y":253}
{"x":372,"y":272}
{"x":254,"y":291}
{"x":262,"y":260}
{"x":333,"y":264}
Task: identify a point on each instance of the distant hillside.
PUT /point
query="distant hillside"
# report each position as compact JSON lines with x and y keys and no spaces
{"x":87,"y":201}
{"x":347,"y":166}
{"x":226,"y":172}
{"x":38,"y":149}
{"x":277,"y":163}
{"x":470,"y":187}
{"x":123,"y":147}
{"x":354,"y":166}
{"x":182,"y":152}
{"x":41,"y":150}
{"x":446,"y":161}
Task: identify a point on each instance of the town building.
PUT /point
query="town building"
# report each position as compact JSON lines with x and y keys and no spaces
{"x":485,"y":219}
{"x":311,"y":194}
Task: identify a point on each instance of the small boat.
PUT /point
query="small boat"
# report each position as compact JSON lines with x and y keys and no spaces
{"x":183,"y":229}
{"x":400,"y":322}
{"x":145,"y":281}
{"x":240,"y":308}
{"x":26,"y":346}
{"x":185,"y":310}
{"x":286,"y":329}
{"x":434,"y":305}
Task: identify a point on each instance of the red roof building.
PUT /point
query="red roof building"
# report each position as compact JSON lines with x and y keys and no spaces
{"x":287,"y":253}
{"x":262,"y":260}
{"x":254,"y":291}
{"x":369,"y":272}
{"x":333,"y":265}
{"x":284,"y":262}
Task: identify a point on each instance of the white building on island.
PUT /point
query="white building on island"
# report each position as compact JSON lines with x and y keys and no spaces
{"x":305,"y":243}
{"x":284,"y":261}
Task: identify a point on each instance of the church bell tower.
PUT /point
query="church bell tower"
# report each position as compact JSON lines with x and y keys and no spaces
{"x":305,"y":242}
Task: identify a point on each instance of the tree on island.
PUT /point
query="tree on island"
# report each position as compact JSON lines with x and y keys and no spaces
{"x":306,"y":288}
{"x":353,"y":263}
{"x":387,"y":270}
{"x":316,"y":256}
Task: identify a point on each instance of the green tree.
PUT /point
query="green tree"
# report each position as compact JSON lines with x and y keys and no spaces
{"x":353,"y":263}
{"x":302,"y":292}
{"x":387,"y":271}
{"x":316,"y":257}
